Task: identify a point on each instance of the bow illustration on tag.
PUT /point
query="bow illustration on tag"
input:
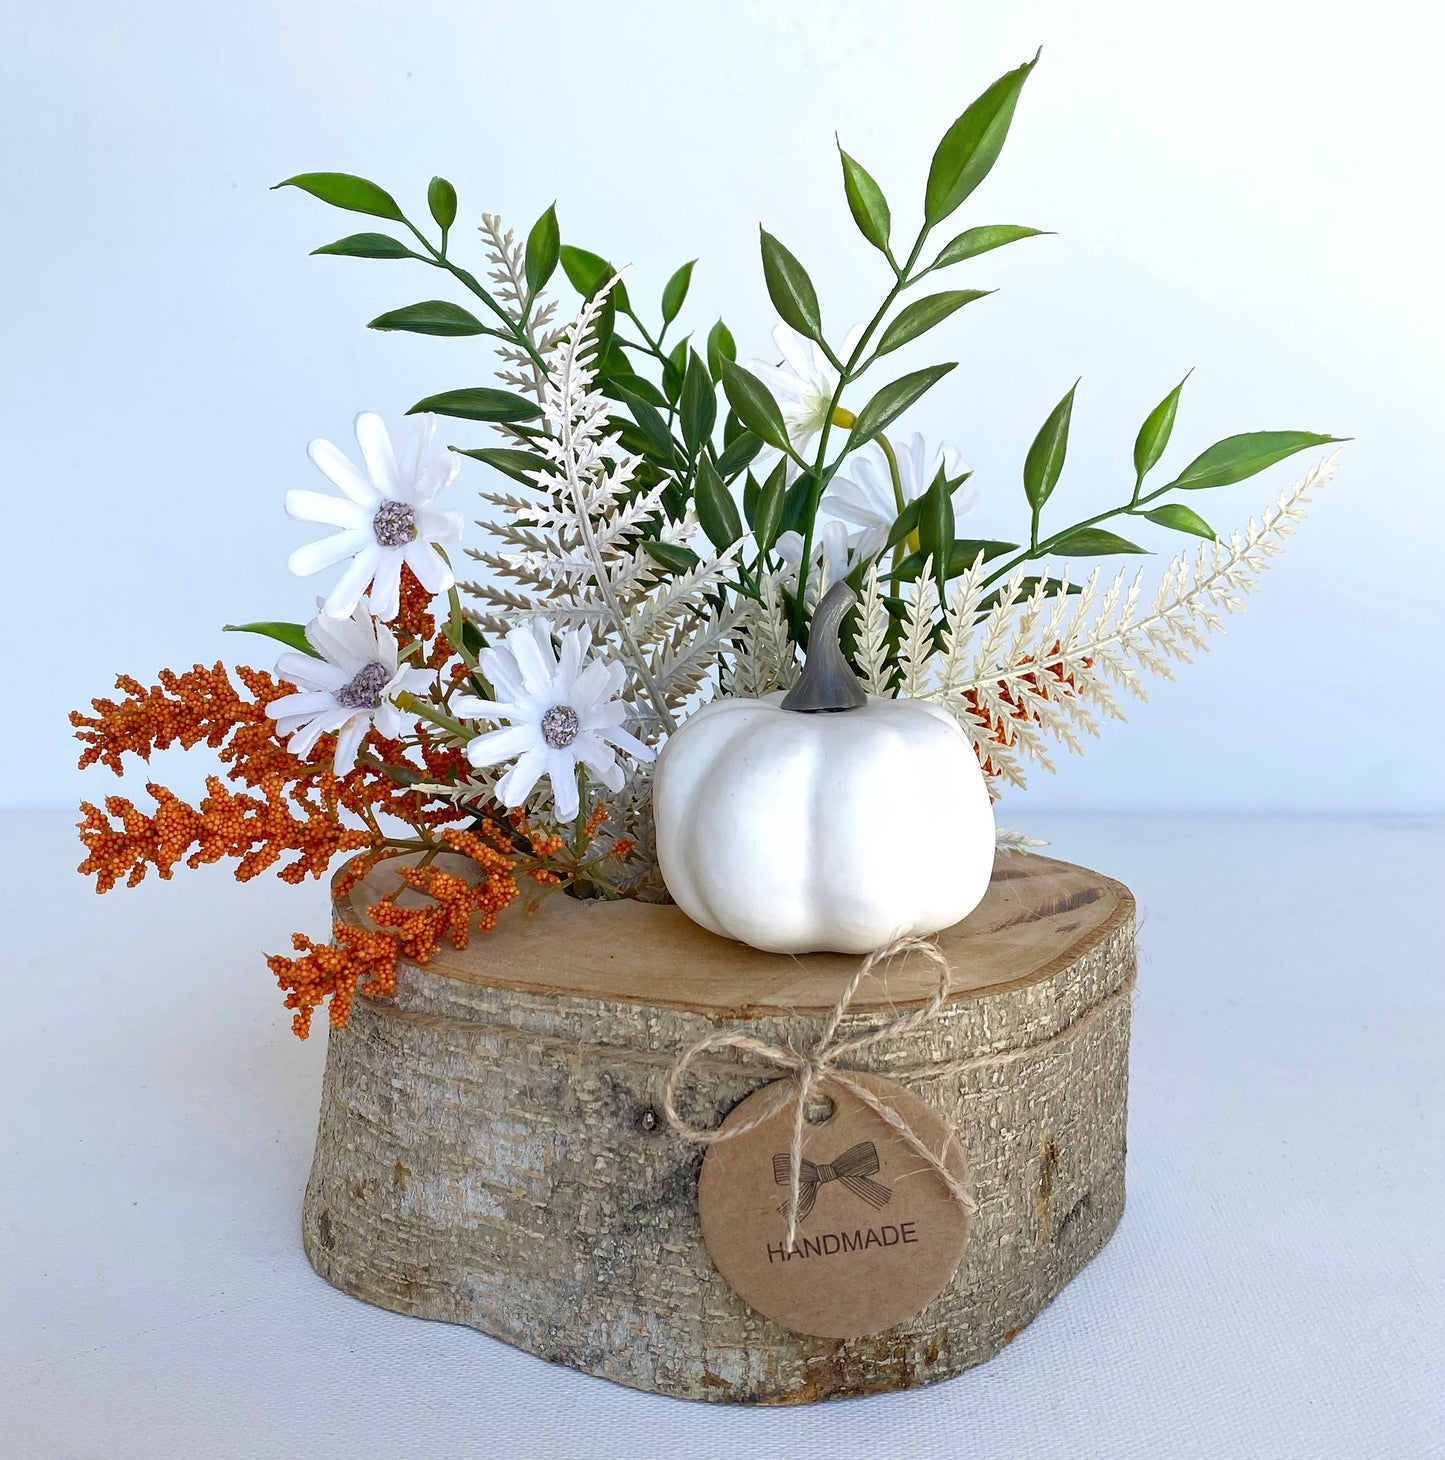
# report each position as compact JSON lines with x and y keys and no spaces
{"x":853,"y":1168}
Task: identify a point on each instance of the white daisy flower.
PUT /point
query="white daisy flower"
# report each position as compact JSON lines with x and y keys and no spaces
{"x":865,"y":501}
{"x":831,"y":558}
{"x":560,"y":714}
{"x":348,"y":690}
{"x":386,"y":517}
{"x":803,"y":386}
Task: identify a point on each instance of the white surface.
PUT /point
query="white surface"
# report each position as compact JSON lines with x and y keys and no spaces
{"x":1276,"y":1289}
{"x":1240,"y":186}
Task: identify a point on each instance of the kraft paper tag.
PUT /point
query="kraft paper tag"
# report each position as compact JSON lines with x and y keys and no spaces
{"x":879,"y":1235}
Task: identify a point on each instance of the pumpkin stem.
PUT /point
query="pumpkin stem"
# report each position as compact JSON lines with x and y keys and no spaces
{"x":827,"y":681}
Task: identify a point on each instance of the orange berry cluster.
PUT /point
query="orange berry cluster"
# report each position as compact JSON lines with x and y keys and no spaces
{"x":183,"y":709}
{"x":333,"y":972}
{"x":123,"y":842}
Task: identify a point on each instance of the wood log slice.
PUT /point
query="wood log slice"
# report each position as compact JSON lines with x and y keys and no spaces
{"x":493,"y":1151}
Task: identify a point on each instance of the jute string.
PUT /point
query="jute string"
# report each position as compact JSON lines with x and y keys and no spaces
{"x":822,"y":1063}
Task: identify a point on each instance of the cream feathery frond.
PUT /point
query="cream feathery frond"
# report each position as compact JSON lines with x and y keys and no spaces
{"x":916,"y":648}
{"x":1040,"y":664}
{"x":873,"y":666}
{"x":764,"y":656}
{"x":509,"y":274}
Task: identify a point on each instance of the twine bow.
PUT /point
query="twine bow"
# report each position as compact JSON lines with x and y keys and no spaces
{"x":822,"y":1064}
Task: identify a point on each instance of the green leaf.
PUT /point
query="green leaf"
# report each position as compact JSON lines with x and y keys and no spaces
{"x":717,"y":512}
{"x":521,"y":466}
{"x":672,"y":555}
{"x":368,"y":246}
{"x":754,"y":405}
{"x":673,"y":369}
{"x":1046,"y":456}
{"x":654,"y":428}
{"x":1181,"y":519}
{"x":790,"y":288}
{"x":441,"y":198}
{"x":480,"y":403}
{"x":923,"y":314}
{"x":766,"y":519}
{"x":544,"y":248}
{"x":893,"y":400}
{"x":342,"y":190}
{"x":797,"y":501}
{"x":935,"y":525}
{"x":675,"y":291}
{"x":971,"y":146}
{"x":1238,"y":457}
{"x":905,"y":524}
{"x":738,"y":453}
{"x":697,"y":406}
{"x":1154,"y":434}
{"x":974,"y":241}
{"x":866,"y":203}
{"x":588,"y":272}
{"x":430,"y":317}
{"x":605,"y":326}
{"x":292,"y":635}
{"x":961,"y":557}
{"x":639,"y":385}
{"x":1093,"y":542}
{"x":720,"y":346}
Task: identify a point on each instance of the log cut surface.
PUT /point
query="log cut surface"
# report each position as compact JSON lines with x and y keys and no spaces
{"x":492,"y":1149}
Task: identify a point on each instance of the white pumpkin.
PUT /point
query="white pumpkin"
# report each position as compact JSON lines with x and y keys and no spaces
{"x":818,"y":831}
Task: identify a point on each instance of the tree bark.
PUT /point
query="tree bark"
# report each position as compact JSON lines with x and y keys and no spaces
{"x":493,"y":1150}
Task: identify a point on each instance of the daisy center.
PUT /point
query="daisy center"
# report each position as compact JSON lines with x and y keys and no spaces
{"x":363,"y":692}
{"x":560,"y":726}
{"x":394,"y":523}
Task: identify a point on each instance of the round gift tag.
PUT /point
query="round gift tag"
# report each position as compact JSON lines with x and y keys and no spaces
{"x":879,"y":1234}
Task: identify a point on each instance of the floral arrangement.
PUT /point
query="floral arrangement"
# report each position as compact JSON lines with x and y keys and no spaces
{"x":660,"y":523}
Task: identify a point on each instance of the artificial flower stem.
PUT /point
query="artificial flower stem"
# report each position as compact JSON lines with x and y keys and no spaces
{"x":413,"y":705}
{"x":899,"y":502}
{"x":1038,"y":549}
{"x":846,"y":375}
{"x":515,"y":333}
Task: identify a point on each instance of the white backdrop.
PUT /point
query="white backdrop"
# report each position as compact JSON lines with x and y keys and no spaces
{"x":1248,"y":187}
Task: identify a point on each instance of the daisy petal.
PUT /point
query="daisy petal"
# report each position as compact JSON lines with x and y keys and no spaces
{"x":304,"y":704}
{"x":424,"y":560}
{"x":794,"y":349}
{"x":326,"y":552}
{"x":439,"y":524}
{"x":307,"y":506}
{"x":564,"y":786}
{"x":499,"y":745}
{"x":348,"y":742}
{"x":531,"y":646}
{"x":348,"y":642}
{"x":342,"y":472}
{"x":502,"y":673}
{"x":432,"y":478}
{"x":514,"y":787}
{"x":625,"y":740}
{"x":310,"y":672}
{"x":413,"y":462}
{"x":386,"y":584}
{"x":351,"y":586}
{"x":375,"y":443}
